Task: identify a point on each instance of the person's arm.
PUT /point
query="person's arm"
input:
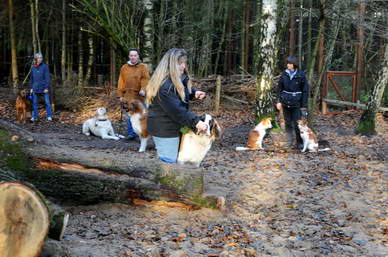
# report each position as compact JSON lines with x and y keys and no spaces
{"x":31,"y":80}
{"x":279,"y":90}
{"x":171,"y":104}
{"x":305,"y":92}
{"x":47,"y":78}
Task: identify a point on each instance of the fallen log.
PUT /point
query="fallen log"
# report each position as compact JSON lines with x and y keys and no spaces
{"x":87,"y":176}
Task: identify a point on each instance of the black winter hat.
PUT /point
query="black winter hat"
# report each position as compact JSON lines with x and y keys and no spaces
{"x":292,"y":60}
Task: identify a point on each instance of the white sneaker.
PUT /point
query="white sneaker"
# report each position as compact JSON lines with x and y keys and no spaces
{"x":49,"y":118}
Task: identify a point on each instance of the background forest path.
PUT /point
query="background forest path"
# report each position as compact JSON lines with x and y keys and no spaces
{"x":279,"y":202}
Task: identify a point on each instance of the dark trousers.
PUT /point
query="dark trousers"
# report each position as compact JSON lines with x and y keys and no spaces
{"x":291,"y":116}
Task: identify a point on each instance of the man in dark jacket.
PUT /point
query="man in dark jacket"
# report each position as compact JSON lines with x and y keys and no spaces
{"x":40,"y":84}
{"x":293,"y":90}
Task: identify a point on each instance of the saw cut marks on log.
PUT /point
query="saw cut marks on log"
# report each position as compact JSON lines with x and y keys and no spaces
{"x":24,"y":221}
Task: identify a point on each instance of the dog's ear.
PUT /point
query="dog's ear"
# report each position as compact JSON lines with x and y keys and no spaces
{"x":216,"y":130}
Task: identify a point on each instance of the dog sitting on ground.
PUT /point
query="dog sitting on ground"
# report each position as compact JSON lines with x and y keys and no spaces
{"x":23,"y":106}
{"x":194,"y":146}
{"x":256,"y":136}
{"x":310,"y":140}
{"x":138,"y":115}
{"x":100,"y":126}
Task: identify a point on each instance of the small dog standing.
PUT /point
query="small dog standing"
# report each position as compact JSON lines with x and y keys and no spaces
{"x":100,"y":126}
{"x":23,"y":106}
{"x":256,"y":136}
{"x":138,"y":115}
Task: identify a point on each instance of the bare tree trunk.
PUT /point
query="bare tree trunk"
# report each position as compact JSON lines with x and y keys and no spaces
{"x":223,"y":36}
{"x":37,"y":26}
{"x":205,"y":59}
{"x":269,"y":53}
{"x":112,"y":65}
{"x":367,"y":124}
{"x":300,"y":36}
{"x":12,"y":34}
{"x":33,"y":20}
{"x":291,"y":43}
{"x":309,"y":35}
{"x":80,"y":59}
{"x":90,"y":60}
{"x":360,"y":47}
{"x":245,"y":34}
{"x":148,"y":33}
{"x":63,"y":52}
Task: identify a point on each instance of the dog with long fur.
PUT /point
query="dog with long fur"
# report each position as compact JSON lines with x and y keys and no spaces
{"x":194,"y":146}
{"x":23,"y":106}
{"x":100,"y":126}
{"x":256,"y":136}
{"x":137,"y":111}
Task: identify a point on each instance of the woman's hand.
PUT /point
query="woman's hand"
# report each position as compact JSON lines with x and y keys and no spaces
{"x":45,"y":91}
{"x":201,"y":126}
{"x":200,"y":95}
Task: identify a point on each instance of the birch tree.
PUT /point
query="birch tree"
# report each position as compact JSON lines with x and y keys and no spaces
{"x":63,"y":50}
{"x":367,"y":123}
{"x":267,"y":59}
{"x":148,"y":33}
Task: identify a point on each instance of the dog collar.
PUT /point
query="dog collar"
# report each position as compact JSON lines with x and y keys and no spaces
{"x":103,"y":120}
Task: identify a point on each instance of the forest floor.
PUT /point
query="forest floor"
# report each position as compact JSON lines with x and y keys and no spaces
{"x":279,"y":202}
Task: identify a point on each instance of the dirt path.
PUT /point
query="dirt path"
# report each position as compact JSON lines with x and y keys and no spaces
{"x":279,"y":203}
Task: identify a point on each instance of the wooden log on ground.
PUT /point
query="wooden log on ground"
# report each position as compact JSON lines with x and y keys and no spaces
{"x":58,"y":218}
{"x":90,"y":176}
{"x":24,"y":221}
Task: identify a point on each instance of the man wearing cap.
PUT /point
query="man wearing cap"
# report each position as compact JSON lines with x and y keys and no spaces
{"x":293,"y":90}
{"x":133,"y":79}
{"x":40,"y":85}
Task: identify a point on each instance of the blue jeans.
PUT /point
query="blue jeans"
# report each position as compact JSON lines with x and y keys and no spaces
{"x":167,"y":148}
{"x":131,"y":132}
{"x":35,"y":102}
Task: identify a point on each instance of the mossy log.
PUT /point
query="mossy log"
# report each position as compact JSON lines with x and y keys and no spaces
{"x":89,"y":176}
{"x":58,"y":218}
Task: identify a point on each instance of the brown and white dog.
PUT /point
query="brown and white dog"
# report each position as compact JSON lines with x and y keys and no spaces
{"x":256,"y":136}
{"x":23,"y":106}
{"x":138,"y":115}
{"x":194,"y":146}
{"x":310,"y":140}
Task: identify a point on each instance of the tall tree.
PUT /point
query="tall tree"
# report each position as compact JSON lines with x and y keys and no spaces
{"x":267,"y":58}
{"x":14,"y":66}
{"x":360,"y":44}
{"x":63,"y":50}
{"x":291,"y":42}
{"x":148,"y":30}
{"x":80,"y":59}
{"x":367,"y":123}
{"x":35,"y":26}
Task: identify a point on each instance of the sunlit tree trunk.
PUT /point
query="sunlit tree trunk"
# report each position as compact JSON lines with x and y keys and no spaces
{"x":14,"y":67}
{"x":148,"y":33}
{"x":360,"y":45}
{"x":90,"y":60}
{"x":367,"y":124}
{"x":80,"y":60}
{"x":267,"y":59}
{"x":63,"y":50}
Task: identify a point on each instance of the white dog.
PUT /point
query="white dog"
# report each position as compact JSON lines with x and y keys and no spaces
{"x":100,"y":126}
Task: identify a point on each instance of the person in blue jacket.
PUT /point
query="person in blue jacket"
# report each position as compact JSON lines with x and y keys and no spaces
{"x":40,"y":85}
{"x":293,"y":92}
{"x":168,"y":93}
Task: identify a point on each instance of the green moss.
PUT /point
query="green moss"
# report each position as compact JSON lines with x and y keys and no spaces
{"x":11,"y":153}
{"x":366,"y":128}
{"x":172,"y":181}
{"x":207,"y":202}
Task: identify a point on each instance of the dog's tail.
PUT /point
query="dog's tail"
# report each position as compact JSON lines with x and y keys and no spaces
{"x":242,"y":148}
{"x":120,"y":136}
{"x":324,"y":149}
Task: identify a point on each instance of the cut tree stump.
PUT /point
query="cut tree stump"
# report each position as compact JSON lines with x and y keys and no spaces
{"x":57,"y":216}
{"x":87,"y":176}
{"x":24,"y":221}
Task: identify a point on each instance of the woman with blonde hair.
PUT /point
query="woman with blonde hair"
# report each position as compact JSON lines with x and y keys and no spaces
{"x":168,"y":93}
